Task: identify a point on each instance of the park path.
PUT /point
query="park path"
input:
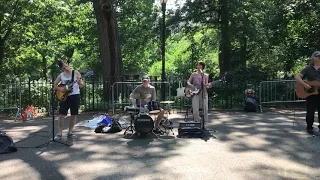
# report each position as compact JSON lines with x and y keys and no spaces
{"x":245,"y":146}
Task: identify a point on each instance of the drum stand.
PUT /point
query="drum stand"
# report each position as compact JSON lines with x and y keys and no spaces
{"x":167,"y":125}
{"x":131,"y":127}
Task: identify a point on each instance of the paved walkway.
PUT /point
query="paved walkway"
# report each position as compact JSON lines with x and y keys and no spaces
{"x":248,"y":146}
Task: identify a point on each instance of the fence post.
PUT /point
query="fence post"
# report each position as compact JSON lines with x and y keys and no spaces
{"x":93,"y":94}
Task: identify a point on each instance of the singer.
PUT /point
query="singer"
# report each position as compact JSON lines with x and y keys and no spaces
{"x":199,"y":80}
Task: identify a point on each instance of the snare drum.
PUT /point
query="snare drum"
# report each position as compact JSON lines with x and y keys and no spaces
{"x":143,"y":124}
{"x":132,"y":110}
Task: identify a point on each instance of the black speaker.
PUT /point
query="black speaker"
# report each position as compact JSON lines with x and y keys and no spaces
{"x":190,"y":130}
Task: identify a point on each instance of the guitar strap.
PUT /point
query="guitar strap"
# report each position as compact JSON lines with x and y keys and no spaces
{"x":72,"y":79}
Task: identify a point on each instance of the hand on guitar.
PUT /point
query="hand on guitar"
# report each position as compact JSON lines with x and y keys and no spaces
{"x":61,"y":89}
{"x":307,"y":86}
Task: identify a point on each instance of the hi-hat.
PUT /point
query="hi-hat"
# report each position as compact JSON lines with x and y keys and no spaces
{"x":142,"y":96}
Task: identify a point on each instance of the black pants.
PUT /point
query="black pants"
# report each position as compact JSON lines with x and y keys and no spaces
{"x":313,"y":104}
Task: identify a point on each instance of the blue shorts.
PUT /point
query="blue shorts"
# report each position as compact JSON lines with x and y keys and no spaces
{"x":72,"y":102}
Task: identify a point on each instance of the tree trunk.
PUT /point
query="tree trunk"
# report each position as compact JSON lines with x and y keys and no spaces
{"x":243,"y":51}
{"x":1,"y":51}
{"x":111,"y":61}
{"x":224,"y":53}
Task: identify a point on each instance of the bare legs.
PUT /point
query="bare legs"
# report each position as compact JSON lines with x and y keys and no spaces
{"x":72,"y":122}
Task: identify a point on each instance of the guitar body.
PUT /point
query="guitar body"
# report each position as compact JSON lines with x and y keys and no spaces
{"x":62,"y":96}
{"x":191,"y":91}
{"x":303,"y":93}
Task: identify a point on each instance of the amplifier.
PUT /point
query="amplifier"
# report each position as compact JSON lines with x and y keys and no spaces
{"x":190,"y":129}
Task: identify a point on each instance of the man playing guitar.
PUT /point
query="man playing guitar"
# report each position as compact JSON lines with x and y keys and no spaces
{"x":200,"y":80}
{"x":73,"y":100}
{"x":311,"y":73}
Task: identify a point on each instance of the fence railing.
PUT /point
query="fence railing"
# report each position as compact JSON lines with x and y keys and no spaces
{"x":94,"y":96}
{"x":10,"y":97}
{"x":273,"y":92}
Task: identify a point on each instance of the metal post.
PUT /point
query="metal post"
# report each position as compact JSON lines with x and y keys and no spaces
{"x":163,"y":77}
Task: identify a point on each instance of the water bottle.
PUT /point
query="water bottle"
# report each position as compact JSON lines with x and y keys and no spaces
{"x":134,"y":102}
{"x":120,"y":99}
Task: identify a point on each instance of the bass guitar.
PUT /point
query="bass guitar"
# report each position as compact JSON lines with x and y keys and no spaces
{"x":68,"y":88}
{"x":302,"y":92}
{"x":191,"y":91}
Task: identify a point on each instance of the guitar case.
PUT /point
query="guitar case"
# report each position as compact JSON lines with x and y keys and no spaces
{"x":6,"y":144}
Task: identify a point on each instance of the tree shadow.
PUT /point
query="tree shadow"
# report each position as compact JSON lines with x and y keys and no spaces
{"x":272,"y":134}
{"x":92,"y":156}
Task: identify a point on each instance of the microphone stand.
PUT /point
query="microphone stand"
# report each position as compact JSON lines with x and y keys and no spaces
{"x":52,"y":111}
{"x":202,"y":87}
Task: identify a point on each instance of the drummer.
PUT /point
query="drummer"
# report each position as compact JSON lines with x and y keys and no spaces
{"x":146,"y":88}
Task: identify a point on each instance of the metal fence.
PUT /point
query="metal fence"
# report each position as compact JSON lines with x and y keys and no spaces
{"x":275,"y":92}
{"x":94,"y":97}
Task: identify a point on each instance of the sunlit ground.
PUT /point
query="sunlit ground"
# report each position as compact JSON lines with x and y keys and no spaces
{"x":240,"y":146}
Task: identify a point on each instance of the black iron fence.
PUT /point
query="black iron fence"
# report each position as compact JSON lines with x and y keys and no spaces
{"x":37,"y":93}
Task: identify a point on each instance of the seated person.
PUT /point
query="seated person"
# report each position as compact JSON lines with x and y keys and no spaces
{"x":145,"y":87}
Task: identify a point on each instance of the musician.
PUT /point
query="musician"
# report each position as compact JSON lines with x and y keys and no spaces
{"x":199,"y":80}
{"x":145,"y":87}
{"x":311,"y":73}
{"x":73,"y":100}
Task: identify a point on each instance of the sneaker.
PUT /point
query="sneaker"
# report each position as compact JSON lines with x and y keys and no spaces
{"x":72,"y":136}
{"x":58,"y":137}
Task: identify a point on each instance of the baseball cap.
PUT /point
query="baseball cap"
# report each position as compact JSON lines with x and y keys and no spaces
{"x":145,"y":78}
{"x":316,"y":54}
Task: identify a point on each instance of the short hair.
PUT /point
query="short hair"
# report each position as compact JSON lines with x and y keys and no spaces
{"x":60,"y":63}
{"x":203,"y":64}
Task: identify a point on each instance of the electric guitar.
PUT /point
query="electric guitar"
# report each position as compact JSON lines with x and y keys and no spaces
{"x":302,"y":92}
{"x":68,"y":88}
{"x":191,"y":91}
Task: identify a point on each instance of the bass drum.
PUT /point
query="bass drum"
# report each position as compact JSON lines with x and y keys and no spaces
{"x":143,"y":124}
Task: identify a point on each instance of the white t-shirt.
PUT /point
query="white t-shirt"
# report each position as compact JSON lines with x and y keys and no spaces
{"x":65,"y":80}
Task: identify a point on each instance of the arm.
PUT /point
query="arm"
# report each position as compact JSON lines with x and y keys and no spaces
{"x":133,"y":92}
{"x":79,"y":79}
{"x":153,"y":95}
{"x":206,"y":82}
{"x":56,"y":82}
{"x":299,"y":77}
{"x":190,"y":80}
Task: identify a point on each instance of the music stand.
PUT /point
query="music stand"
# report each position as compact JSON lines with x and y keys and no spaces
{"x":52,"y":111}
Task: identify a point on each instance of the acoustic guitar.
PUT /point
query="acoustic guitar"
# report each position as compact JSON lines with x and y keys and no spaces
{"x":302,"y":92}
{"x":68,"y":88}
{"x":191,"y":91}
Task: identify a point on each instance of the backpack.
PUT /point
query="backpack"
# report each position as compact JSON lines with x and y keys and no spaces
{"x":115,"y":127}
{"x":250,"y":105}
{"x":6,"y":144}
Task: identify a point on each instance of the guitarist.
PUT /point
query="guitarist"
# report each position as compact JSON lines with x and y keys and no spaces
{"x":73,"y":100}
{"x":311,"y":73}
{"x":199,"y":80}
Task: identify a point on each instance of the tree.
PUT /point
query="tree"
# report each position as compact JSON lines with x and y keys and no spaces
{"x":109,"y":42}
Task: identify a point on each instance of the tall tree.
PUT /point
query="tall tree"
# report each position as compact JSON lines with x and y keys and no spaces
{"x":109,"y":42}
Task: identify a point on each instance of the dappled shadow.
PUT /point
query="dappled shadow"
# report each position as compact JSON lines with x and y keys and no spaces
{"x":271,"y":134}
{"x":92,"y":155}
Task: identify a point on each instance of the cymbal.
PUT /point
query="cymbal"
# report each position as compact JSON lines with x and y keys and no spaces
{"x":167,"y":102}
{"x":142,"y":96}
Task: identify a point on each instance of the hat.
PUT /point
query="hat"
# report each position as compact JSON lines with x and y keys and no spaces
{"x":145,"y":78}
{"x":315,"y":54}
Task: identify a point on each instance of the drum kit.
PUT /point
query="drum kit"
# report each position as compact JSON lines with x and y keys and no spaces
{"x":140,"y":122}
